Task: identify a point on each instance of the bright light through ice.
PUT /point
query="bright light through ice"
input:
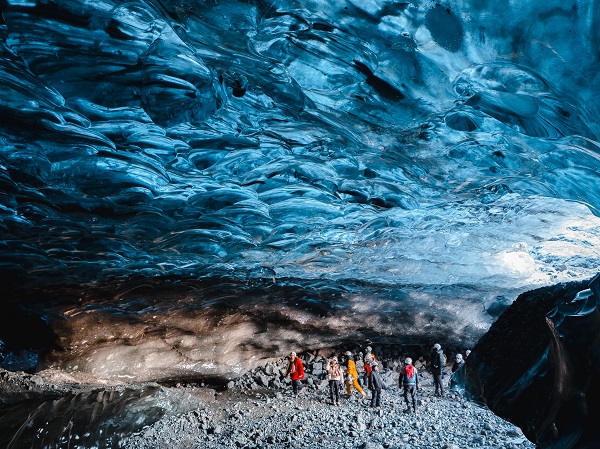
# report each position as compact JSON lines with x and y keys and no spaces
{"x":519,"y":261}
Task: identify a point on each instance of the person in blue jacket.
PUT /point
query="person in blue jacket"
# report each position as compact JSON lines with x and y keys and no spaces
{"x":409,"y":380}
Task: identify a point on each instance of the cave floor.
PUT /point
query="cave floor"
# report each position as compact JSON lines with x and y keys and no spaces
{"x":263,"y":418}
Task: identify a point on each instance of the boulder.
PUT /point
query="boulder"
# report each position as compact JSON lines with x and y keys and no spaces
{"x":550,"y":386}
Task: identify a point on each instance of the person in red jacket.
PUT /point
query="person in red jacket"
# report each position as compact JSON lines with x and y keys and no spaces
{"x":295,"y":370}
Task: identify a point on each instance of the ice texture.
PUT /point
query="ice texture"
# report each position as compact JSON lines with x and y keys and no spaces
{"x":444,"y":152}
{"x":90,"y":418}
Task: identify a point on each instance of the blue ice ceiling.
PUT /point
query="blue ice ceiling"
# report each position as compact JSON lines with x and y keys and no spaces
{"x":422,"y":143}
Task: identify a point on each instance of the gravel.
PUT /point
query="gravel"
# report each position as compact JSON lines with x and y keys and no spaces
{"x":251,"y":415}
{"x":257,"y":410}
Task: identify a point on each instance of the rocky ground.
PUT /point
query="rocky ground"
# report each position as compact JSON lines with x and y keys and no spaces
{"x":277,"y":421}
{"x":251,"y":415}
{"x":255,"y":411}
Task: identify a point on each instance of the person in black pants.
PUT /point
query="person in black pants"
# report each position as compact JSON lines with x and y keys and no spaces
{"x":409,"y":380}
{"x":437,"y":369}
{"x":376,"y":385}
{"x":335,"y":377}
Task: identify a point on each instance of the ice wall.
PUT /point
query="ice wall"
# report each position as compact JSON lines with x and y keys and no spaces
{"x":422,"y":148}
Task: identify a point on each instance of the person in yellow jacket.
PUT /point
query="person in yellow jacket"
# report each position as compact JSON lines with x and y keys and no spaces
{"x":352,"y":376}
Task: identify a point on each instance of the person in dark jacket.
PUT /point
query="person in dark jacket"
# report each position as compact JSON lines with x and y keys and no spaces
{"x":458,"y":363}
{"x":437,"y":369}
{"x":457,"y":378}
{"x":376,"y":384}
{"x":409,"y":380}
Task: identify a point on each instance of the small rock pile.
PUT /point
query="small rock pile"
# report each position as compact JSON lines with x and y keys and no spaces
{"x":269,"y":375}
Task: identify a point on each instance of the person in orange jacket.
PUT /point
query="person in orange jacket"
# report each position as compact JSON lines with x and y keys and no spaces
{"x":352,"y":376}
{"x":295,"y":370}
{"x":369,"y":359}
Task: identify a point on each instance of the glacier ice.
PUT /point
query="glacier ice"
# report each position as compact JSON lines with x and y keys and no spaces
{"x":448,"y":153}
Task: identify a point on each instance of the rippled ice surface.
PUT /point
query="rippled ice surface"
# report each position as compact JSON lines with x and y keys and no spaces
{"x":88,"y":419}
{"x":390,"y":143}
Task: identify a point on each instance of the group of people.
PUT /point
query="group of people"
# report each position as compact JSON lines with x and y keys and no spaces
{"x":347,"y":373}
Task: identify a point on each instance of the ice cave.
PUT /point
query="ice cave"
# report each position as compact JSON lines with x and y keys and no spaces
{"x":191,"y":189}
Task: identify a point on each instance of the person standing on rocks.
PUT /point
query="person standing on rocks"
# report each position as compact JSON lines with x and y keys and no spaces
{"x":437,"y":369}
{"x":376,"y":384}
{"x":368,"y":369}
{"x":457,"y":378}
{"x":369,"y":358}
{"x":369,"y":353}
{"x":352,"y":376}
{"x":409,"y":381}
{"x":360,"y":369}
{"x":458,"y":363}
{"x":295,"y":370}
{"x":335,"y":377}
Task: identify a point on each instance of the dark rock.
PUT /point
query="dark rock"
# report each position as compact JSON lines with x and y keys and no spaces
{"x":550,"y":386}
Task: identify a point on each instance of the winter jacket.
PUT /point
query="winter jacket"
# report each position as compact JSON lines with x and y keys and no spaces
{"x":368,"y":364}
{"x":456,"y":366}
{"x":334,"y":371}
{"x":438,"y":362}
{"x":295,"y":369}
{"x":409,"y":376}
{"x":375,"y":382}
{"x":368,"y":368}
{"x":351,"y":369}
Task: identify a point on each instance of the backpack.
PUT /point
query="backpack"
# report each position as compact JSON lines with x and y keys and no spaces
{"x":405,"y":377}
{"x":440,"y":358}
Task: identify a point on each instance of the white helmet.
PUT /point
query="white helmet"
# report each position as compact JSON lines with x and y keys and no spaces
{"x":459,"y":357}
{"x":408,"y":360}
{"x":437,"y":346}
